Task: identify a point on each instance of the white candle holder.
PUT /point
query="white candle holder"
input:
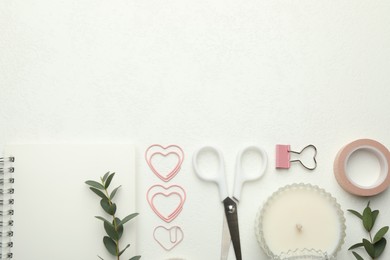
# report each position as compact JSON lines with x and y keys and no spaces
{"x":301,"y":254}
{"x":303,"y":251}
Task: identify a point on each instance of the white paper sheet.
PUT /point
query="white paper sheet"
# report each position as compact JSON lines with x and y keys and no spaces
{"x":54,"y":209}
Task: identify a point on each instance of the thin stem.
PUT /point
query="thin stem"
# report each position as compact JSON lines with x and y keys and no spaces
{"x":369,"y":234}
{"x":114,"y":222}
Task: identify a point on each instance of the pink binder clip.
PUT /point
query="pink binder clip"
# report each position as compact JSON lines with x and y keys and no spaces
{"x":283,"y":156}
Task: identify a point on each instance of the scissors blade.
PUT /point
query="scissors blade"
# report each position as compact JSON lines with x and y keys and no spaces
{"x":232,"y":219}
{"x":226,"y":239}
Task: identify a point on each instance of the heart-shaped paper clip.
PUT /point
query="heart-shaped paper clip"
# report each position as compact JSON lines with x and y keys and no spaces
{"x":168,"y":238}
{"x":166,"y":193}
{"x":156,"y":150}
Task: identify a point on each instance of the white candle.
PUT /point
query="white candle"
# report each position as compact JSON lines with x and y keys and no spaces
{"x":298,"y":217}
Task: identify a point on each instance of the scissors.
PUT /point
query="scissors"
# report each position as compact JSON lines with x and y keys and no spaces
{"x":230,"y":204}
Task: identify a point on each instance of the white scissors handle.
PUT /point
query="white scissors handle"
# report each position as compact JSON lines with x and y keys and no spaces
{"x":241,"y":176}
{"x":219,"y":178}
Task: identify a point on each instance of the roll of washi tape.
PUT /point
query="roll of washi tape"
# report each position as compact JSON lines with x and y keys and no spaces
{"x":341,"y":162}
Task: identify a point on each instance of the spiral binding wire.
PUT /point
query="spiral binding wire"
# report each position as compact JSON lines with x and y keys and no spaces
{"x":7,"y":234}
{"x":6,"y":256}
{"x":6,"y":211}
{"x":9,"y":223}
{"x":7,"y":202}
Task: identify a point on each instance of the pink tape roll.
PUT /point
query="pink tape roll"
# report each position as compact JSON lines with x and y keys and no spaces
{"x":340,"y":166}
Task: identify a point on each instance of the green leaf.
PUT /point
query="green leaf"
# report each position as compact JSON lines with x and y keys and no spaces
{"x":379,"y":247}
{"x":114,"y":192}
{"x":109,"y":208}
{"x":110,"y":245}
{"x":101,"y":218}
{"x":105,"y":176}
{"x":374,"y":214}
{"x":127,"y":218}
{"x":99,"y":193}
{"x":137,"y":257}
{"x":355,"y":246}
{"x":358,"y":257}
{"x":124,"y":249}
{"x":357,"y":214}
{"x":109,"y":179}
{"x":369,"y":248}
{"x":367,"y":219}
{"x":381,"y":232}
{"x":111,"y":232}
{"x":95,"y":184}
{"x":105,"y":205}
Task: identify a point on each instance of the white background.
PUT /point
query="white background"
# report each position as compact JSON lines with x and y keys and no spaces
{"x":227,"y":73}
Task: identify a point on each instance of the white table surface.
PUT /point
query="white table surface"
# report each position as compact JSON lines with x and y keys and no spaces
{"x":191,"y":73}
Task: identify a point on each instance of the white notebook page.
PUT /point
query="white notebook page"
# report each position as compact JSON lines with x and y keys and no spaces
{"x":54,"y":209}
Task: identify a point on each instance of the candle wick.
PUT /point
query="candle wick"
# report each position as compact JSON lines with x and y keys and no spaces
{"x":299,"y":227}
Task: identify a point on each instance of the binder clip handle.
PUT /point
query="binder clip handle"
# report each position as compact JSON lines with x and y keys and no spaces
{"x":283,"y":156}
{"x":314,"y":157}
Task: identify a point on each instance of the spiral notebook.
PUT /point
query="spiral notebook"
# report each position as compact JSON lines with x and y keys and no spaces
{"x":47,"y":209}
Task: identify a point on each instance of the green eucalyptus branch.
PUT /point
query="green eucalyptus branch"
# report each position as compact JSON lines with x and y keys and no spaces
{"x":114,"y":228}
{"x":374,"y":246}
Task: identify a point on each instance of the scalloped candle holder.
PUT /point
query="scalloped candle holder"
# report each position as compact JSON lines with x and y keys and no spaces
{"x":300,"y":221}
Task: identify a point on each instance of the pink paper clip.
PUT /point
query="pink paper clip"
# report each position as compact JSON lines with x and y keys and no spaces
{"x":283,"y":160}
{"x":168,"y":238}
{"x":156,"y":150}
{"x":166,"y":193}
